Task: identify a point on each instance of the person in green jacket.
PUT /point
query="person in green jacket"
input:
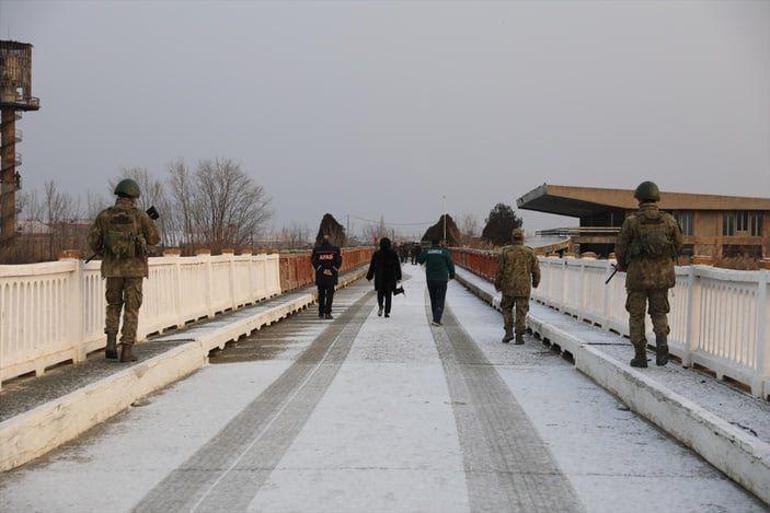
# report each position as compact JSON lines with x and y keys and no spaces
{"x":439,"y":269}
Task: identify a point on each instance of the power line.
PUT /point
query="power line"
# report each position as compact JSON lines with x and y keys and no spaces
{"x":390,"y":224}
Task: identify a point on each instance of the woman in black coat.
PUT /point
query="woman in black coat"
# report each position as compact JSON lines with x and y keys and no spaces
{"x":385,"y":268}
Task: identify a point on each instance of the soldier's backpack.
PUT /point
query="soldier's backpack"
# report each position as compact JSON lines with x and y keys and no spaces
{"x":122,"y":236}
{"x":654,"y":239}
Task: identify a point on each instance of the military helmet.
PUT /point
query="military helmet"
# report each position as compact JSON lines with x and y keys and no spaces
{"x":647,"y":191}
{"x":128,"y":188}
{"x":518,"y":234}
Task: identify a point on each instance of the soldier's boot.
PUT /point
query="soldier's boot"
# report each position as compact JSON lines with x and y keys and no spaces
{"x":640,"y":357}
{"x":127,"y":353}
{"x":111,"y":350}
{"x":661,"y":350}
{"x":519,"y":339}
{"x":508,"y":335}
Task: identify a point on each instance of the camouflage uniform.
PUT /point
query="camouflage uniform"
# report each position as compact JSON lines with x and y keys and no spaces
{"x":517,"y":272}
{"x":647,"y":246}
{"x":125,"y":273}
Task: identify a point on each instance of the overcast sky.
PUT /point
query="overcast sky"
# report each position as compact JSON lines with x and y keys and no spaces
{"x":373,"y":108}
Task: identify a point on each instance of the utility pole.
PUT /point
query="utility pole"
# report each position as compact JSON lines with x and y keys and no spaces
{"x":444,"y":197}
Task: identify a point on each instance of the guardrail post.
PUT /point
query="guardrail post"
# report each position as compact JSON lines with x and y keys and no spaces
{"x":76,"y":332}
{"x":175,"y":254}
{"x":762,"y":370}
{"x":205,"y":255}
{"x":230,"y":254}
{"x":606,"y":296}
{"x":693,"y":320}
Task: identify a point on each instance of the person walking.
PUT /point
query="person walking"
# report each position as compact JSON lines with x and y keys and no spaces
{"x":327,"y":260}
{"x":439,"y":269}
{"x":122,"y":234}
{"x":647,"y":248}
{"x":385,"y":268}
{"x":517,"y":272}
{"x":416,"y":250}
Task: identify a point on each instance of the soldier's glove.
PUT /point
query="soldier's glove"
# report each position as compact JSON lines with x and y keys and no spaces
{"x":535,"y":284}
{"x":153,"y":213}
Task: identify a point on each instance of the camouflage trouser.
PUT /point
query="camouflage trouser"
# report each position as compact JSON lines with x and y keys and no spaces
{"x":636,"y":303}
{"x":122,"y":291}
{"x":522,"y":309}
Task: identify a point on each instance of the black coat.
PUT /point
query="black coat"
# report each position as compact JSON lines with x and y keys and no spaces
{"x":385,"y":268}
{"x":327,"y":261}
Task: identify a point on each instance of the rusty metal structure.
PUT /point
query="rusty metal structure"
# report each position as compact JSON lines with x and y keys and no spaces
{"x":15,"y":98}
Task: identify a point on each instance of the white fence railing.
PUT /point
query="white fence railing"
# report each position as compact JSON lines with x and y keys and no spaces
{"x":718,"y":316}
{"x":54,"y":312}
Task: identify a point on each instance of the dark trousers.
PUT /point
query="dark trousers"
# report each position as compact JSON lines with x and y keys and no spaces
{"x":325,"y":298}
{"x":384,"y":297}
{"x":437,"y":292}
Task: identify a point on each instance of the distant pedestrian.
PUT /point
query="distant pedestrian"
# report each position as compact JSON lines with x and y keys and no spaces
{"x":439,"y":269}
{"x":416,"y":250}
{"x":121,"y":234}
{"x":327,"y":261}
{"x":648,"y":246}
{"x":385,"y":268}
{"x":517,"y":272}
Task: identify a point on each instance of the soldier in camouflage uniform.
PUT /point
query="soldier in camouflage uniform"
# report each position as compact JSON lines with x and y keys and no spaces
{"x":122,"y":234}
{"x":517,"y":272}
{"x":647,"y":248}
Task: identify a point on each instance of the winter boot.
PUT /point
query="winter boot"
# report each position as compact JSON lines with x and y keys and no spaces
{"x":519,"y":339}
{"x":661,"y":350}
{"x":508,"y":335}
{"x":640,"y":357}
{"x":126,"y":353}
{"x":379,"y":312}
{"x":329,"y":316}
{"x":111,"y":351}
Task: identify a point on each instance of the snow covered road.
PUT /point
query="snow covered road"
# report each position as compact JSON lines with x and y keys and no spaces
{"x":367,"y":414}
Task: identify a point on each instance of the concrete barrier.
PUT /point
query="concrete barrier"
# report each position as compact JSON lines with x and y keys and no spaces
{"x":34,"y":433}
{"x":743,"y":458}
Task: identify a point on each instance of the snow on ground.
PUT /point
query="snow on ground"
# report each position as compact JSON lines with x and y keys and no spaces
{"x":357,"y":415}
{"x":617,"y":461}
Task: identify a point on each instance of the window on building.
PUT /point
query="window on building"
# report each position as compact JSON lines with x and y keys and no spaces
{"x":728,"y":223}
{"x":685,"y":220}
{"x":742,"y":221}
{"x":755,"y":224}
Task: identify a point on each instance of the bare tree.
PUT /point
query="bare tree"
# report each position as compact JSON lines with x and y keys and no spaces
{"x":95,"y":203}
{"x":469,"y":225}
{"x":182,"y":216}
{"x":294,"y":236}
{"x":231,"y":208}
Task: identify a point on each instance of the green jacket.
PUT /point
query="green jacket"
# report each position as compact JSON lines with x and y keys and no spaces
{"x":438,"y":264}
{"x":136,"y":231}
{"x":517,"y":271}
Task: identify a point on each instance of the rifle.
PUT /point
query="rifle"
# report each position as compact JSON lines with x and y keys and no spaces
{"x":154,"y":215}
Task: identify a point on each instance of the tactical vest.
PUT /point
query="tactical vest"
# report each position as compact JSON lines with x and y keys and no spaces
{"x":654,"y":240}
{"x":123,"y":234}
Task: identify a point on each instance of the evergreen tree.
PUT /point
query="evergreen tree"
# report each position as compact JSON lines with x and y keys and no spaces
{"x":500,"y":223}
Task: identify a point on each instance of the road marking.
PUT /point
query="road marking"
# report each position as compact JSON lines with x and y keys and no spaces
{"x":227,"y":472}
{"x":508,"y":467}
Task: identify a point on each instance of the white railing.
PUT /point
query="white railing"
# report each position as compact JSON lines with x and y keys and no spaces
{"x":718,"y":316}
{"x":54,"y":312}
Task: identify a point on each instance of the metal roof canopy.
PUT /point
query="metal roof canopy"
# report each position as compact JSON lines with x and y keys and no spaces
{"x":588,"y":201}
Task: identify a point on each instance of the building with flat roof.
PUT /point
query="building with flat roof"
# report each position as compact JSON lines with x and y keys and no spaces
{"x":713,"y":225}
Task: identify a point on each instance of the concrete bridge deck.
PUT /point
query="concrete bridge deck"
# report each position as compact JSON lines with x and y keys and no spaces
{"x":371,"y":414}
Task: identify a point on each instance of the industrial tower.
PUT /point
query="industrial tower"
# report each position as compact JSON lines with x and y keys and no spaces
{"x":15,"y":98}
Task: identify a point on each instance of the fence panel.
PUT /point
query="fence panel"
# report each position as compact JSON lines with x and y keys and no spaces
{"x":54,"y":312}
{"x":718,"y":316}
